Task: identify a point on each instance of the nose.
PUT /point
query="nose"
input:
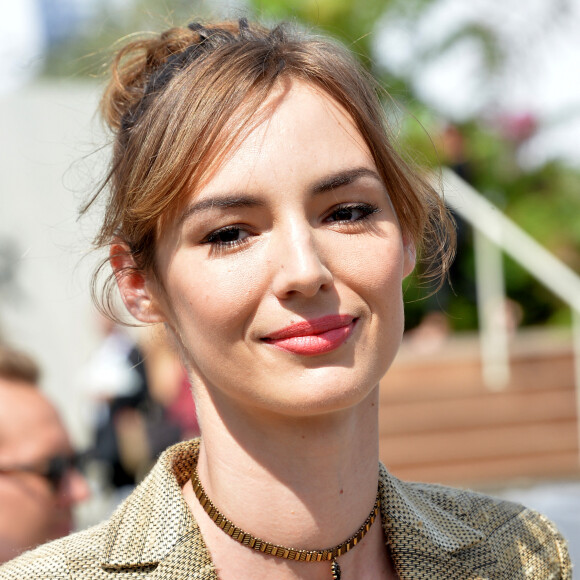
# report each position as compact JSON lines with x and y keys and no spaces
{"x":299,"y":267}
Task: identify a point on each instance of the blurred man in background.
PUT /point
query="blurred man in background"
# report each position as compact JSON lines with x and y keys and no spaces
{"x":39,"y":483}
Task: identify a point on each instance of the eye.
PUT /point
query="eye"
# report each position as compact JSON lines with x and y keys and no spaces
{"x":351,"y":212}
{"x":229,"y":236}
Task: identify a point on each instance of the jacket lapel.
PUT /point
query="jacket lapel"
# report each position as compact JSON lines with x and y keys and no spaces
{"x":155,"y":524}
{"x":426,"y":532}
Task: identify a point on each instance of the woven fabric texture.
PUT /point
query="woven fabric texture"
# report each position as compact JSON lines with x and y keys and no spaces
{"x":434,"y":533}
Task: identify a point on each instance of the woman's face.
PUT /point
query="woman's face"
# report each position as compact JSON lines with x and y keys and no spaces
{"x":282,"y":278}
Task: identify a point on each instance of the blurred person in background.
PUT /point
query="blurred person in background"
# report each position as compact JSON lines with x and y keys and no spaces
{"x":169,"y":382}
{"x":132,"y":391}
{"x":39,"y":484}
{"x":115,"y":381}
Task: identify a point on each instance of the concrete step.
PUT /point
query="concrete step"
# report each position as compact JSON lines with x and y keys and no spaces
{"x":439,"y":422}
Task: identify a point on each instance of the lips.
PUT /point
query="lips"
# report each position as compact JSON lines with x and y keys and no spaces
{"x":313,"y":337}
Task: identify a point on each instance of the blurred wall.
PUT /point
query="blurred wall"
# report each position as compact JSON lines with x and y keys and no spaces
{"x":47,"y":130}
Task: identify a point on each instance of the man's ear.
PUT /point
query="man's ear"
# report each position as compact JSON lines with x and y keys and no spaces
{"x":134,"y":286}
{"x":410,"y":256}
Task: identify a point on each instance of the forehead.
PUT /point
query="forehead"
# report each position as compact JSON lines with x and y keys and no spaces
{"x":296,"y":121}
{"x":30,"y":428}
{"x":299,"y":126}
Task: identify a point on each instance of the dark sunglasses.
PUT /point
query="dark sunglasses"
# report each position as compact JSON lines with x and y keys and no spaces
{"x":54,"y":470}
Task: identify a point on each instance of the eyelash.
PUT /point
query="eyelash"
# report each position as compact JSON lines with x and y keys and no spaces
{"x":366,"y":209}
{"x":213,"y":238}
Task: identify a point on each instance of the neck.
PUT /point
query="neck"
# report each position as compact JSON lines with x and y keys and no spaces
{"x":318,"y":475}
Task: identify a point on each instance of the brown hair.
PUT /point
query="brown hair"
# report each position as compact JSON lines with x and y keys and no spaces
{"x":170,"y":97}
{"x":17,"y":366}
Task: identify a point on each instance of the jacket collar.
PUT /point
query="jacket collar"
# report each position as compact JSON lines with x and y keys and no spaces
{"x":423,"y":533}
{"x":427,"y":530}
{"x":150,"y":522}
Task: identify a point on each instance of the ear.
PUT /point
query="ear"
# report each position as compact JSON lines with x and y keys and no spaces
{"x":409,"y":257}
{"x":134,"y":285}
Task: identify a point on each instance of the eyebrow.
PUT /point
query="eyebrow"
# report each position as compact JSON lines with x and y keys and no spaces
{"x":237,"y":200}
{"x":344,"y":178}
{"x":227,"y":202}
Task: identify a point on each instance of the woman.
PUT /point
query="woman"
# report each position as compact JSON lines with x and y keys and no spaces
{"x":258,"y":210}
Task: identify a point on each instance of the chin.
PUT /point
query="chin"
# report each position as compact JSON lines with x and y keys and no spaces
{"x":320,"y":399}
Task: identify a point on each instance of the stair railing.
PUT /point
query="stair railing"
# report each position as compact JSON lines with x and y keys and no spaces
{"x":495,"y":233}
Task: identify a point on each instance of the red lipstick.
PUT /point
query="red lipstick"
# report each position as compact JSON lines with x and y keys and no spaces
{"x":313,"y":337}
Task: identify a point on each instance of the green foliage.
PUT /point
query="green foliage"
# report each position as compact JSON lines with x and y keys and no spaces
{"x":486,"y":37}
{"x":87,"y":53}
{"x":348,"y":20}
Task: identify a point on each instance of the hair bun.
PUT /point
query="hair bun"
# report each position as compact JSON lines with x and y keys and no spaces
{"x":135,"y":70}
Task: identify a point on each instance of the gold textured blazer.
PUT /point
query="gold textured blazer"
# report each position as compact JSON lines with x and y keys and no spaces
{"x":434,"y":533}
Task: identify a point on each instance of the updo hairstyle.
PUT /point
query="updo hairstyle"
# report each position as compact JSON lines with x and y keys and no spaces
{"x":177,"y":102}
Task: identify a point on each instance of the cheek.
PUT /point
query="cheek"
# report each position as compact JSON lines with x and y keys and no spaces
{"x":375,"y":268}
{"x":384,"y":279}
{"x":27,"y":509}
{"x":377,"y":278}
{"x":221,"y":298}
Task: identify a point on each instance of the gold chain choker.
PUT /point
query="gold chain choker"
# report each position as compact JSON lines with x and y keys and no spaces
{"x":329,"y":554}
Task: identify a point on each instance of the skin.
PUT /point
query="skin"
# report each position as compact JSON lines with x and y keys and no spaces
{"x":314,"y":235}
{"x":31,"y":511}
